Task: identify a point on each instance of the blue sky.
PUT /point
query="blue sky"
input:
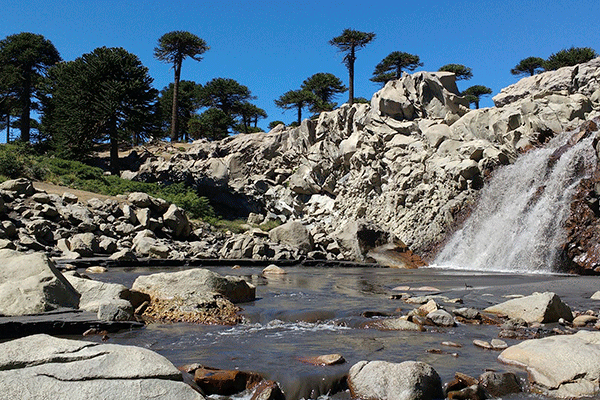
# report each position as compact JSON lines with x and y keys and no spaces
{"x":272,"y":46}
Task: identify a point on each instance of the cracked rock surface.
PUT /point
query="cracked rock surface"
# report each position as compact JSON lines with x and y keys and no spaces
{"x":45,"y":367}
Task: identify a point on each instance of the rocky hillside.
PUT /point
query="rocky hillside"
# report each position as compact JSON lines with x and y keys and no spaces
{"x":408,"y":162}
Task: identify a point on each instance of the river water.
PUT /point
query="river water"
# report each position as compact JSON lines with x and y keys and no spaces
{"x":315,"y":311}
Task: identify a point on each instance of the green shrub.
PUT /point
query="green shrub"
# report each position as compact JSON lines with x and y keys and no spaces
{"x":10,"y":165}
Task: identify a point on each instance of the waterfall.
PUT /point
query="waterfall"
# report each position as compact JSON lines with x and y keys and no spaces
{"x":516,"y":225}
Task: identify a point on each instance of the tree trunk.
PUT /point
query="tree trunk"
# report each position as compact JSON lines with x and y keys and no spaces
{"x":351,"y":59}
{"x":300,"y":114}
{"x":114,"y":149}
{"x":26,"y":99}
{"x":174,"y":116}
{"x":8,"y":128}
{"x":477,"y":105}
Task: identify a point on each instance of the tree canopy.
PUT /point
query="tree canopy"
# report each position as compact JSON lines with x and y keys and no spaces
{"x":24,"y":60}
{"x":212,"y":124}
{"x":461,"y":72}
{"x":173,"y":48}
{"x":474,"y":94}
{"x":349,"y":42}
{"x":529,"y":66}
{"x":102,"y":95}
{"x":325,"y":87}
{"x":296,"y":99}
{"x":568,"y":57}
{"x":391,"y":66}
{"x":225,"y":94}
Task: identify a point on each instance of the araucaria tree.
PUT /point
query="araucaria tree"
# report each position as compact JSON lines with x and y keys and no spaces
{"x":26,"y":57}
{"x":296,"y":99}
{"x":474,"y":94}
{"x":102,"y":95}
{"x":173,"y":48}
{"x":568,"y":57}
{"x":461,"y":72}
{"x":187,"y":105}
{"x":391,"y":66}
{"x":325,"y":87}
{"x":349,"y":42}
{"x":529,"y":66}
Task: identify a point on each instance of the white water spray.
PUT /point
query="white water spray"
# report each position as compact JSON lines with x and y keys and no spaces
{"x":517,"y":223}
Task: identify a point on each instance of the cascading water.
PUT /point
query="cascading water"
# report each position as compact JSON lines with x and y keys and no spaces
{"x":517,"y":223}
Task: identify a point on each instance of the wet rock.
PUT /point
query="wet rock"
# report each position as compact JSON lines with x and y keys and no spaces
{"x":451,"y":344}
{"x":267,"y":390}
{"x":498,"y":344}
{"x":381,"y":380}
{"x":560,"y":366}
{"x":41,"y":366}
{"x":473,"y":392}
{"x":115,"y":310}
{"x":31,"y":284}
{"x":428,"y":307}
{"x":483,"y":344}
{"x":500,"y":384}
{"x":328,"y":359}
{"x":467,"y":313}
{"x":224,"y":382}
{"x":539,"y":307}
{"x":94,"y":293}
{"x":583,"y":320}
{"x":396,"y":324}
{"x":96,"y":270}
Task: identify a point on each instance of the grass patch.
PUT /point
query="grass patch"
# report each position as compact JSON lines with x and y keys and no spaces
{"x":235,"y":226}
{"x":16,"y":162}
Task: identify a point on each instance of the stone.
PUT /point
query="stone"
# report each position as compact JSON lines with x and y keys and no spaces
{"x":358,"y":237}
{"x":31,"y":284}
{"x":381,"y":380}
{"x":273,"y":270}
{"x":96,"y":270}
{"x":396,"y":324}
{"x":498,"y":344}
{"x":560,"y":366}
{"x":500,"y":384}
{"x":583,"y":320}
{"x":115,"y":310}
{"x":473,"y":392}
{"x":292,"y":233}
{"x":539,"y":307}
{"x":139,"y":199}
{"x":41,"y":366}
{"x":224,"y":382}
{"x":175,"y":219}
{"x":18,"y":186}
{"x":267,"y":390}
{"x":69,"y":198}
{"x":327,"y":359}
{"x":482,"y":343}
{"x":86,"y":244}
{"x":441,"y":318}
{"x":123,"y":255}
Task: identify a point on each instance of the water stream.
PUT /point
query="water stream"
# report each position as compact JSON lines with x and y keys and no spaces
{"x":517,"y":223}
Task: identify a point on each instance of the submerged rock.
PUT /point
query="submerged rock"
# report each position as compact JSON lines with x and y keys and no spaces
{"x":41,"y":366}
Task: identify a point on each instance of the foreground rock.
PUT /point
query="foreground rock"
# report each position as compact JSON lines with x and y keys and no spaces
{"x":31,"y":284}
{"x":195,"y":295}
{"x":539,"y":307}
{"x":381,"y":380}
{"x":42,"y":366}
{"x":561,"y":366}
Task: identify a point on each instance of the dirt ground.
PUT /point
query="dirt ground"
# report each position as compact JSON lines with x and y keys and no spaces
{"x":82,"y":195}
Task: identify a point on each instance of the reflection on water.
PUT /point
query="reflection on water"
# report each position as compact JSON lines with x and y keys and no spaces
{"x":312,"y":311}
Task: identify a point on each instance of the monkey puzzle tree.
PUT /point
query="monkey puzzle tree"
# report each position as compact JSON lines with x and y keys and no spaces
{"x":174,"y":47}
{"x":212,"y":124}
{"x":529,"y":65}
{"x":474,"y":94}
{"x":349,"y":42}
{"x":296,"y":99}
{"x":26,"y":57}
{"x":102,"y":95}
{"x":325,"y":86}
{"x":392,"y":65}
{"x":187,"y":105}
{"x":250,"y":114}
{"x":568,"y":57}
{"x":461,"y":72}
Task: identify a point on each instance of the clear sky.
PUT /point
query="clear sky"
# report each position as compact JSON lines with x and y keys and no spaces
{"x":272,"y":46}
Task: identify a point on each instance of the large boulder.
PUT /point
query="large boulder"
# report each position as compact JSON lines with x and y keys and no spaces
{"x":381,"y":380}
{"x":566,"y":366}
{"x":539,"y":307}
{"x":31,"y":284}
{"x":95,"y":293}
{"x":176,"y":220}
{"x":358,"y":237}
{"x":194,"y":295}
{"x":44,"y":367}
{"x":18,"y":186}
{"x":292,"y":233}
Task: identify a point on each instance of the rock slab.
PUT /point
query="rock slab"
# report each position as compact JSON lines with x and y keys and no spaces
{"x":44,"y":367}
{"x":539,"y":307}
{"x":560,"y":366}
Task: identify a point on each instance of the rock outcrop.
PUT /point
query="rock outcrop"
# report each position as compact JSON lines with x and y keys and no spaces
{"x":409,"y":162}
{"x":41,"y":366}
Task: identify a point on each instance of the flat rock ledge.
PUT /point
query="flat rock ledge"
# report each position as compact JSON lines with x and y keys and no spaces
{"x":560,"y":366}
{"x":45,"y":367}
